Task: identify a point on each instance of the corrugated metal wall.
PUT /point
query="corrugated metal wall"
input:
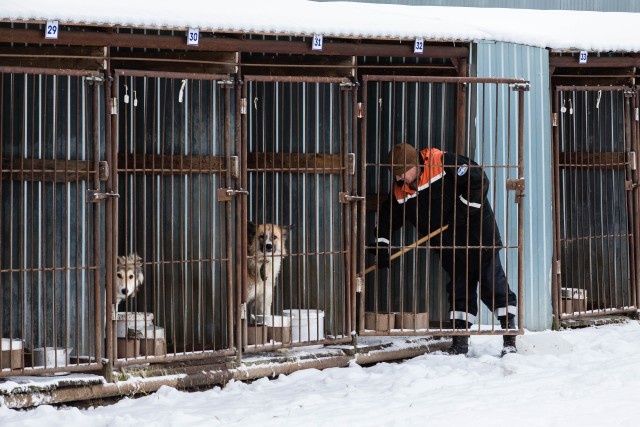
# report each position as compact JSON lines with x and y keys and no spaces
{"x":595,"y":5}
{"x":517,"y":61}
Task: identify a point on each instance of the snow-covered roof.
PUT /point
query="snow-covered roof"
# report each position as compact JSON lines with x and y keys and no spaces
{"x":555,"y":29}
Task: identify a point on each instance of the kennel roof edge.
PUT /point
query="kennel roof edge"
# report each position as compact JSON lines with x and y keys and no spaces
{"x":568,"y":30}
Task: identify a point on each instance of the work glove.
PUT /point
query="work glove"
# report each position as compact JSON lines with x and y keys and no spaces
{"x":382,"y":253}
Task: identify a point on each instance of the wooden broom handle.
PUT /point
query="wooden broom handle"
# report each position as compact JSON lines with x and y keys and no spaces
{"x":408,"y":248}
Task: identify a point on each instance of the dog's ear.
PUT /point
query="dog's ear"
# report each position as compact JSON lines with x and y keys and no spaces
{"x":120,"y":261}
{"x":137,"y":259}
{"x":285,"y":230}
{"x":251,"y":231}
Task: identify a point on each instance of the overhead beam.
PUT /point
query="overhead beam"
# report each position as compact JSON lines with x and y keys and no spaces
{"x":341,"y":47}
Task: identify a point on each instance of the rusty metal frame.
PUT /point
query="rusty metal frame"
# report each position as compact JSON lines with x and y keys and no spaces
{"x":628,"y":163}
{"x":518,"y":85}
{"x":346,"y":186}
{"x":225,"y":171}
{"x":65,"y":171}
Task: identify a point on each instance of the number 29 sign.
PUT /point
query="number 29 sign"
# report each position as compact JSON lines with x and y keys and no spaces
{"x":51,"y":30}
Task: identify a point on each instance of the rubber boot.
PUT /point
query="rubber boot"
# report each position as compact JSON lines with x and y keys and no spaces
{"x":508,"y":341}
{"x":460,"y":343}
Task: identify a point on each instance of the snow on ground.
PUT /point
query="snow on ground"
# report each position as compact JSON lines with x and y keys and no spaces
{"x":557,"y":29}
{"x":585,"y":377}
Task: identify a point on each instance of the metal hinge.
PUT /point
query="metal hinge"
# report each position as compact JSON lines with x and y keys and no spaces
{"x":114,"y":106}
{"x":637,"y":114}
{"x":524,"y":86}
{"x":345,"y":197}
{"x":351,"y":163}
{"x":359,"y":110}
{"x":518,"y":186}
{"x":243,"y":106}
{"x":348,"y":85}
{"x":628,"y":93}
{"x":95,"y":196}
{"x":94,"y":79}
{"x":225,"y":194}
{"x":629,"y":185}
{"x":558,"y":265}
{"x":555,"y":119}
{"x":227,"y":83}
{"x":632,"y":160}
{"x":359,"y":284}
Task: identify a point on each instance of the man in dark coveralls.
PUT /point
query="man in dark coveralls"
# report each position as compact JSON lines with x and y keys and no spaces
{"x":431,"y":189}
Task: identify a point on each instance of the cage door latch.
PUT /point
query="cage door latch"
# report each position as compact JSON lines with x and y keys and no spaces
{"x":95,"y":196}
{"x":345,"y":197}
{"x":225,"y":194}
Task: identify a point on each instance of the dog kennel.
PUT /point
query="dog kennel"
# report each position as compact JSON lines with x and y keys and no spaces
{"x":168,"y":153}
{"x":595,"y":141}
{"x":479,"y":118}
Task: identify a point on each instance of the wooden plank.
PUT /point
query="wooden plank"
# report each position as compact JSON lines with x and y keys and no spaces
{"x":160,"y":164}
{"x":180,"y":61}
{"x":49,"y":170}
{"x":295,"y":162}
{"x":593,"y":160}
{"x":61,"y":57}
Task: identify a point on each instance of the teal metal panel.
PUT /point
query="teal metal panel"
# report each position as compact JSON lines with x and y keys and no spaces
{"x":508,"y":60}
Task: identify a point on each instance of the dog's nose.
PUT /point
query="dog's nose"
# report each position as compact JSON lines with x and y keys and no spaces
{"x":268,"y":247}
{"x":124,"y":291}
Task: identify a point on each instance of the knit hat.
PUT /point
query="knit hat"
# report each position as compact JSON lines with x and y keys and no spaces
{"x":401,"y":158}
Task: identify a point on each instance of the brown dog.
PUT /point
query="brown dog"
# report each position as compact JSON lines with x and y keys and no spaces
{"x":265,"y":252}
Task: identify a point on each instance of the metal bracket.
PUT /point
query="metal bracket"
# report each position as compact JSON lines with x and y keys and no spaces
{"x":629,"y":185}
{"x":359,"y":284}
{"x":114,"y":106}
{"x":360,"y":110}
{"x":95,"y":196}
{"x":235,"y":167}
{"x":632,"y":160}
{"x":524,"y":86}
{"x":243,"y":311}
{"x":555,"y":119}
{"x":103,"y":170}
{"x":518,"y":186}
{"x":243,"y":106}
{"x":225,"y":194}
{"x":345,"y":197}
{"x":351,"y":163}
